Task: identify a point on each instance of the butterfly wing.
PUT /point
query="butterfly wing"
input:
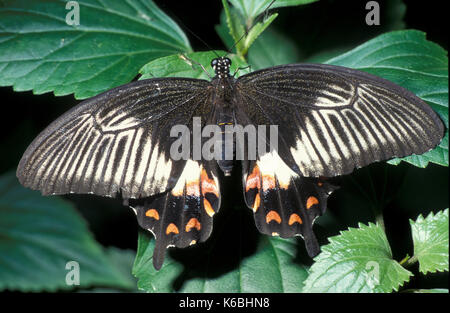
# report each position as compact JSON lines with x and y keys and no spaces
{"x":332,"y":119}
{"x":117,"y":141}
{"x":284,"y":203}
{"x":182,"y":216}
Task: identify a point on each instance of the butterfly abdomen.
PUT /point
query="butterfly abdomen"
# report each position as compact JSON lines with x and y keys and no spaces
{"x":226,"y":141}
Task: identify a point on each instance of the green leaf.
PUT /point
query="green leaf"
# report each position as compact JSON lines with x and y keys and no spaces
{"x":243,"y":32}
{"x":272,"y":48}
{"x":149,"y":279}
{"x":235,"y":27}
{"x":123,"y":261}
{"x":357,"y":260}
{"x":269,"y":269}
{"x":409,"y":60}
{"x":250,"y":9}
{"x":39,"y":236}
{"x":40,"y":52}
{"x":430,"y":236}
{"x":231,"y":29}
{"x":187,"y":65}
{"x":223,"y":31}
{"x":255,"y":31}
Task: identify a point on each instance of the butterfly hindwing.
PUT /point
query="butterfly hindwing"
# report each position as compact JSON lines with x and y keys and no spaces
{"x":284,"y":203}
{"x":182,"y":216}
{"x":332,"y":119}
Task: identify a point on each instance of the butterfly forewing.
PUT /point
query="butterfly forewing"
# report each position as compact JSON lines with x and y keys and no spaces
{"x":116,"y":142}
{"x":332,"y":120}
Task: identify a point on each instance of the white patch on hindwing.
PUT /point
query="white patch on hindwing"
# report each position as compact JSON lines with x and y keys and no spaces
{"x":271,"y":164}
{"x":190,"y":174}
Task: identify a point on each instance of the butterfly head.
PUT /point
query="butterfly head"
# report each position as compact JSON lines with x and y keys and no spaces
{"x":221,"y":66}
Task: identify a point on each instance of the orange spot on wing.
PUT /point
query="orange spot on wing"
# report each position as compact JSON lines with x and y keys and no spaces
{"x":208,"y":208}
{"x":320,"y":184}
{"x":152,"y":213}
{"x":256,"y":203}
{"x":268,"y":182}
{"x":172,"y":228}
{"x":253,"y":180}
{"x":208,"y":185}
{"x":193,"y":223}
{"x":295,"y":218}
{"x":273,"y":216}
{"x":311,"y":201}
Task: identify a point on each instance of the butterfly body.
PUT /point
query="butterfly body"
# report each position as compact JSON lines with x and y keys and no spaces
{"x":224,"y":115}
{"x":329,"y":120}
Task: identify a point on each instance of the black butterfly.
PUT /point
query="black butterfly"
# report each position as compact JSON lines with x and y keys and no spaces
{"x":330,"y":120}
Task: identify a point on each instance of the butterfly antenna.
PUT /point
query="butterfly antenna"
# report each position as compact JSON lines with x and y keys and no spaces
{"x":194,"y":34}
{"x":201,"y":40}
{"x":190,"y":61}
{"x":254,"y":24}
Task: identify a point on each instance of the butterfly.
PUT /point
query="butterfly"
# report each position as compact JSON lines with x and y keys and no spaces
{"x":330,"y":120}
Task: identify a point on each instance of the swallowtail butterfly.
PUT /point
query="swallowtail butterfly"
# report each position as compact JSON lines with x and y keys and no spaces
{"x":330,"y":120}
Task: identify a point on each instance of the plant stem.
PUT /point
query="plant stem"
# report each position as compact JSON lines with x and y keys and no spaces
{"x":411,"y":261}
{"x":408,"y":261}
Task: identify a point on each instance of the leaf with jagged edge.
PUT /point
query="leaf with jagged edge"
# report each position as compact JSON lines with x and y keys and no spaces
{"x":235,"y":27}
{"x":357,"y":260}
{"x":255,"y":31}
{"x":430,"y":236}
{"x":40,"y":52}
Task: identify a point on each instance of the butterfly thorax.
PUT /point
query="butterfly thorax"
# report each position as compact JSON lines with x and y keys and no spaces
{"x":221,"y":67}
